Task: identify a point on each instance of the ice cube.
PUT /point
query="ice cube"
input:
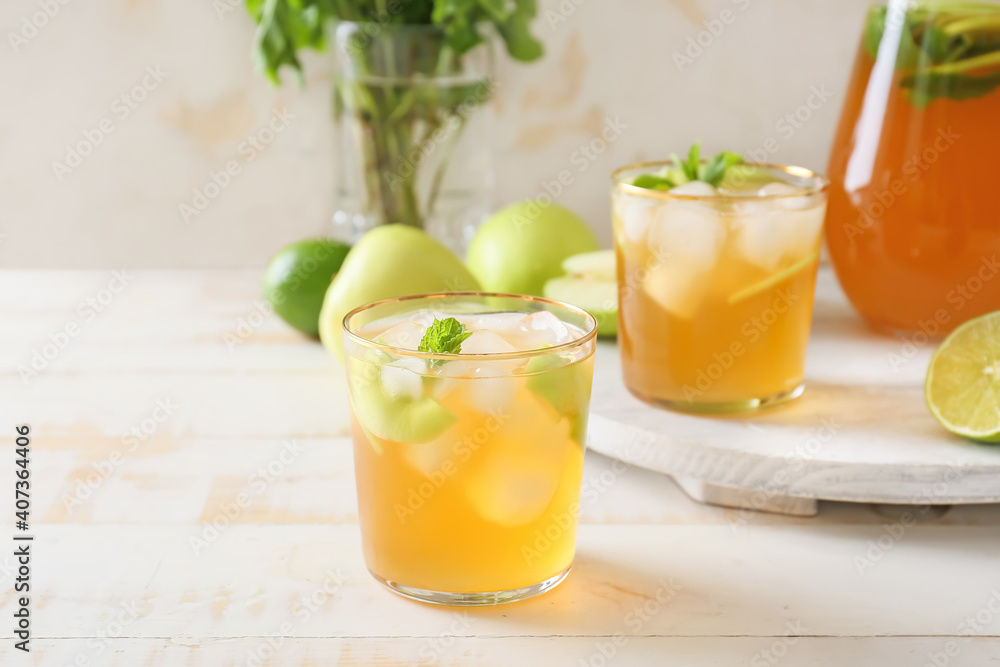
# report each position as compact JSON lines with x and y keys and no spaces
{"x":486,"y":342}
{"x":405,"y":335}
{"x":491,"y":321}
{"x":806,"y":227}
{"x":762,"y":238}
{"x":541,"y":329}
{"x":430,"y":458}
{"x":519,"y":466}
{"x":403,"y":378}
{"x":636,"y":217}
{"x":691,"y":231}
{"x":678,"y":285}
{"x":492,"y":386}
{"x":779,"y":189}
{"x":695,"y":189}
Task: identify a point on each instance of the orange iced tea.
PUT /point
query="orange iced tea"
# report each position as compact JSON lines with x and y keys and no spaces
{"x":913,"y":228}
{"x":469,"y":464}
{"x":716,"y":286}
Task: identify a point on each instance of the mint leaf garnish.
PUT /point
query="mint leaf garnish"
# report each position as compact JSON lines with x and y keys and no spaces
{"x":653,"y":182}
{"x":944,"y":52}
{"x":690,"y":169}
{"x":715,"y":169}
{"x":444,"y":337}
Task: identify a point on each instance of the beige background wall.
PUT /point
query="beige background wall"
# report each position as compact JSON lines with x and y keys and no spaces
{"x":606,"y":59}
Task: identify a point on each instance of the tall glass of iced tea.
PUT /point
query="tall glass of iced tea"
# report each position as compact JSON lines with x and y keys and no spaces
{"x":716,"y":285}
{"x":469,"y":415}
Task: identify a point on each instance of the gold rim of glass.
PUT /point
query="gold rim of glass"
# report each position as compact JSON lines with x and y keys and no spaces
{"x":821,"y":182}
{"x":589,"y":335}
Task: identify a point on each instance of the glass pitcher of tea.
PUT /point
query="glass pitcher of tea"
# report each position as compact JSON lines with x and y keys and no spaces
{"x":913,"y":221}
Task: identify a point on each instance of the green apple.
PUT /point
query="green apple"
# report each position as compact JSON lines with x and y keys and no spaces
{"x":389,"y":261}
{"x":590,"y":284}
{"x":523,"y":246}
{"x":398,"y":418}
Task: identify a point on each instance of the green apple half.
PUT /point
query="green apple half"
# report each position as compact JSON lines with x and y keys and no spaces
{"x":590,"y":284}
{"x":523,"y":246}
{"x":388,"y":262}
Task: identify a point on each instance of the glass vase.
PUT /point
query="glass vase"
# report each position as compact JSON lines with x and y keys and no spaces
{"x":413,"y":125}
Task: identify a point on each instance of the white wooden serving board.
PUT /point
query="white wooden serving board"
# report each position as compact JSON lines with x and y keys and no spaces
{"x":861,"y":432}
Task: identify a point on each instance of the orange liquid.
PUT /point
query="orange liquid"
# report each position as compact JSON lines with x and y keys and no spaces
{"x":721,"y":352}
{"x":916,"y":244}
{"x":490,"y":505}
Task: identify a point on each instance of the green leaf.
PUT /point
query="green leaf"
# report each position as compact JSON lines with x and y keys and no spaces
{"x":874,"y":29}
{"x":925,"y":87}
{"x":444,"y":337}
{"x":516,"y":32}
{"x":715,"y":169}
{"x":653,"y":182}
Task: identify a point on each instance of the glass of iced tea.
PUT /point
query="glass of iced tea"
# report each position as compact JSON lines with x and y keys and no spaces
{"x":716,"y":284}
{"x":913,"y":227}
{"x":469,"y":417}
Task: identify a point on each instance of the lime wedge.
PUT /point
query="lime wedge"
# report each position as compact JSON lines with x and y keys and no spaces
{"x":772,"y":280}
{"x":963,"y":380}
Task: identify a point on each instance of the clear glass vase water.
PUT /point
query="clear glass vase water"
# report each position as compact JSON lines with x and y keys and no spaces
{"x":413,"y":124}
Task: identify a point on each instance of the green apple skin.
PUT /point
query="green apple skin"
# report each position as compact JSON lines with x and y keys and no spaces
{"x":389,"y":261}
{"x":522,"y":246}
{"x":599,"y":298}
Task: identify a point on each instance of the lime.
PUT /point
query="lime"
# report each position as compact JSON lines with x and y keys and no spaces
{"x":297,"y":278}
{"x":963,"y":380}
{"x":772,"y":280}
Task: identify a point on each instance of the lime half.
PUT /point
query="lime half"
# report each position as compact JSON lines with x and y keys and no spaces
{"x":963,"y":381}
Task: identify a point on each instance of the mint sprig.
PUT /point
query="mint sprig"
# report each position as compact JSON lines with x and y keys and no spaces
{"x":944,"y":51}
{"x":444,"y":337}
{"x":712,"y":171}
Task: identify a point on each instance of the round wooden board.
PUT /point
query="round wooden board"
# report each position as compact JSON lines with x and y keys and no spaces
{"x":860,"y":433}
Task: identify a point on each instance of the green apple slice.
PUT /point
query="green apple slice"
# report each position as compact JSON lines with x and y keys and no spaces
{"x":398,"y":418}
{"x":565,"y":387}
{"x":599,"y":298}
{"x":598,"y":265}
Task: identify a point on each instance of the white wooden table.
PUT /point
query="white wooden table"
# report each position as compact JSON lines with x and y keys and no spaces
{"x":181,"y":394}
